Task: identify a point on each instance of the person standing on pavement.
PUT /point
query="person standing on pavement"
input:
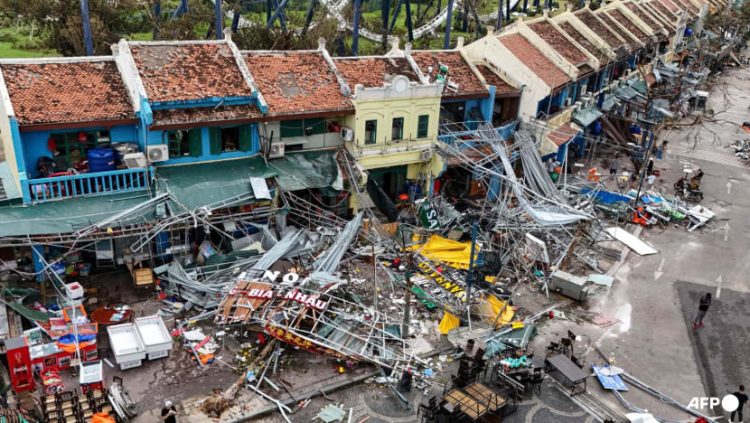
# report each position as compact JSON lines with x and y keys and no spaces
{"x":703,"y":306}
{"x":741,"y":399}
{"x":650,"y":179}
{"x":613,"y":165}
{"x":169,"y":413}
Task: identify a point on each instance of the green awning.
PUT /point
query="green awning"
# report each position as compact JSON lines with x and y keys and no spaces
{"x":586,"y":116}
{"x":202,"y":184}
{"x":310,"y":169}
{"x":67,"y":216}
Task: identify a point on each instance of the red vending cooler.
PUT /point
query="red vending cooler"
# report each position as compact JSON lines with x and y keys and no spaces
{"x":19,"y":364}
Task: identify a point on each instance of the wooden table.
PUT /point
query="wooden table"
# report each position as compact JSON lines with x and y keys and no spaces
{"x":570,"y":371}
{"x":484,"y":395}
{"x":466,"y":404}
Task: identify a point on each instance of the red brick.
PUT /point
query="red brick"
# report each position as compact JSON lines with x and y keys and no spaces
{"x":535,"y":60}
{"x":67,"y":92}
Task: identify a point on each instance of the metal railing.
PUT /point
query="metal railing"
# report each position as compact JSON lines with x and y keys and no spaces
{"x":87,"y":184}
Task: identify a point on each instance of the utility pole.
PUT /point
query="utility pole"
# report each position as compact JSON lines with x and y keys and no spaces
{"x":407,"y":293}
{"x":88,"y":41}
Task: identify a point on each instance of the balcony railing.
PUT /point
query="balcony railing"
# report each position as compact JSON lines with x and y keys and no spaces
{"x":87,"y":184}
{"x":390,"y":147}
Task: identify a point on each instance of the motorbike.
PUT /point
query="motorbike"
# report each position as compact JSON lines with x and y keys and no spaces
{"x":684,"y":191}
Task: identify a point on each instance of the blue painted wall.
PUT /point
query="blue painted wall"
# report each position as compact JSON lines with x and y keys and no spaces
{"x":159,"y":137}
{"x":35,"y":143}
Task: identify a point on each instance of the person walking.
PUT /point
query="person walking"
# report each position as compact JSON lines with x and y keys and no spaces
{"x":741,"y":399}
{"x":703,"y":305}
{"x":169,"y":412}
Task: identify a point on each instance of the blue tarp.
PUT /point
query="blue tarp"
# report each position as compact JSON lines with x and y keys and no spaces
{"x":605,"y":197}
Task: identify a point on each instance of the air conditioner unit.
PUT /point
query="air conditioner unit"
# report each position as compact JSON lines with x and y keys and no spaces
{"x":135,"y":160}
{"x":157,"y":153}
{"x":277,"y":150}
{"x":425,"y":155}
{"x":568,"y":101}
{"x":347,"y":134}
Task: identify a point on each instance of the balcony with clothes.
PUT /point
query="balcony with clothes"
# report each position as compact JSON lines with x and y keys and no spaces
{"x":83,"y":163}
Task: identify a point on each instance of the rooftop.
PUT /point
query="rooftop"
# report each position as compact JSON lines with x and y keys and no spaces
{"x":296,"y":82}
{"x":188,"y":71}
{"x":581,"y":40}
{"x":625,"y":21}
{"x":558,"y":42}
{"x":534,"y":60}
{"x":67,"y":92}
{"x":654,"y":11}
{"x":600,"y":29}
{"x":501,"y":86}
{"x":664,"y":10}
{"x":645,"y":16}
{"x":372,"y":72}
{"x":459,"y":72}
{"x":613,"y":26}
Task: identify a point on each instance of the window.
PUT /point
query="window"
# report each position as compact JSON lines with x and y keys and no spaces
{"x":184,"y":143}
{"x":302,"y":128}
{"x":397,"y":129}
{"x":371,"y":131}
{"x":238,"y":138}
{"x":423,"y":125}
{"x":69,"y":148}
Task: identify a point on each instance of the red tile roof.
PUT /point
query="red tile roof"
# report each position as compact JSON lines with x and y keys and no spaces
{"x":178,"y":72}
{"x":666,"y":21}
{"x":459,"y":72}
{"x":501,"y":87}
{"x":685,"y":4}
{"x":599,"y":28}
{"x":625,"y":21}
{"x":664,"y":10}
{"x":67,"y":92}
{"x":197,"y":116}
{"x":562,"y":134}
{"x":583,"y":41}
{"x":373,"y":72}
{"x":671,"y":5}
{"x":534,"y":60}
{"x":558,"y":42}
{"x":300,"y":82}
{"x":644,"y":16}
{"x":612,"y":25}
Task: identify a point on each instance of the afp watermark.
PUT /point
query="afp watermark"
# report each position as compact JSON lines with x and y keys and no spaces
{"x":729,"y":403}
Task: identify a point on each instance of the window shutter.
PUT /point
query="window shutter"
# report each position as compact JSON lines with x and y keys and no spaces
{"x":246,"y":138}
{"x":215,"y":137}
{"x":195,"y":141}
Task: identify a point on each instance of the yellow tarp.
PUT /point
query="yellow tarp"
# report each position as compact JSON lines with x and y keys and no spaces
{"x":491,"y":306}
{"x":448,"y":323}
{"x":453,"y":253}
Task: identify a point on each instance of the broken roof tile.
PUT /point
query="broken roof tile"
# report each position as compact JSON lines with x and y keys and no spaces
{"x":645,"y":17}
{"x":562,"y":134}
{"x":613,"y":26}
{"x":534,"y":60}
{"x":501,"y":86}
{"x":459,"y":72}
{"x":203,"y":115}
{"x":582,"y":40}
{"x":296,"y":82}
{"x":600,"y":29}
{"x":558,"y":42}
{"x":664,"y":10}
{"x":372,"y":72}
{"x":625,"y":21}
{"x":659,"y":16}
{"x":188,"y":71}
{"x":86,"y":91}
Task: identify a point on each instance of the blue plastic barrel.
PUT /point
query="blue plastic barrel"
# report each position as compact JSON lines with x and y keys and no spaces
{"x":101,"y":159}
